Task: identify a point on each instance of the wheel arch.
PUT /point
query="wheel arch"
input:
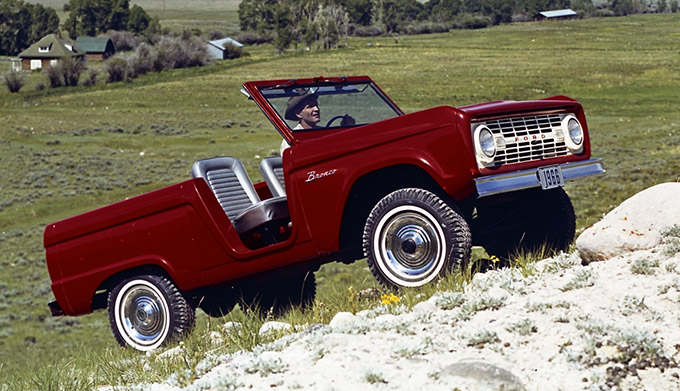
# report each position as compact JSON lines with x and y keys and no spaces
{"x":100,"y":298}
{"x":370,"y":188}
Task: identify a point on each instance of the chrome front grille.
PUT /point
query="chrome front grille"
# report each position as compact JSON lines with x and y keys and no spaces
{"x":529,"y":138}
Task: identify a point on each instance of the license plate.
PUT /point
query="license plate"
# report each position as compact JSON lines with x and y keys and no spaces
{"x":550,"y":177}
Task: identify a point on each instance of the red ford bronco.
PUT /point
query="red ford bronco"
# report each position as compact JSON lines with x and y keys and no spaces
{"x":409,"y":192}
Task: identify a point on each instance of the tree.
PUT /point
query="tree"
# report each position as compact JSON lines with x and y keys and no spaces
{"x":119,"y":15}
{"x":44,"y":20}
{"x":92,"y":17}
{"x":358,"y":11}
{"x":661,"y":6}
{"x":283,"y":27}
{"x":444,"y":10}
{"x":138,"y":20}
{"x":22,"y":23}
{"x":500,"y":11}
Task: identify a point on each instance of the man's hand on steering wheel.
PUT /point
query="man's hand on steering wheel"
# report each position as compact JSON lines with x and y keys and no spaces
{"x":347,"y":120}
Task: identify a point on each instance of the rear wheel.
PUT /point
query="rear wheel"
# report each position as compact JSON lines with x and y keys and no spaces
{"x":534,"y":220}
{"x":217,"y":302}
{"x":276,"y":296}
{"x":147,"y":311}
{"x":412,"y":236}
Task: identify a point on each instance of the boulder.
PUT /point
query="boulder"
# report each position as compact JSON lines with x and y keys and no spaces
{"x":634,"y":225}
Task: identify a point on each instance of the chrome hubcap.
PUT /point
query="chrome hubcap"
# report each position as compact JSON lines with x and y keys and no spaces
{"x":143,"y":315}
{"x":411,"y":242}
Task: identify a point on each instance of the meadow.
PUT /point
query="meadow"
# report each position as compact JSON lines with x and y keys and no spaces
{"x":68,"y":150}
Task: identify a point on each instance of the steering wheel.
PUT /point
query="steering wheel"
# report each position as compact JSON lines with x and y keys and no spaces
{"x":337,"y":117}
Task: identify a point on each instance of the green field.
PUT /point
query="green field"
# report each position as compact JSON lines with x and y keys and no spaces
{"x":176,"y":15}
{"x":68,"y":150}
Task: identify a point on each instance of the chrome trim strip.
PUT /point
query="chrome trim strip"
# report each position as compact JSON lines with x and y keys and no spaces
{"x":526,"y":179}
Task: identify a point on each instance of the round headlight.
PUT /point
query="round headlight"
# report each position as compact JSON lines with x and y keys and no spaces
{"x":574,"y":132}
{"x":486,"y":142}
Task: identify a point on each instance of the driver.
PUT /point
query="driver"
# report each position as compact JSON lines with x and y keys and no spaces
{"x":305,"y":109}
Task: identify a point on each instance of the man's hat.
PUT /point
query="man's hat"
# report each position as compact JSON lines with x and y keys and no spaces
{"x":295,"y":102}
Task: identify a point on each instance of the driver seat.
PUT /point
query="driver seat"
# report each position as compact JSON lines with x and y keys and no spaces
{"x":259,"y":223}
{"x":272,"y":172}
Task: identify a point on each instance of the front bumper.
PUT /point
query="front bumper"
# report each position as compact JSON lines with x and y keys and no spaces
{"x":526,"y":179}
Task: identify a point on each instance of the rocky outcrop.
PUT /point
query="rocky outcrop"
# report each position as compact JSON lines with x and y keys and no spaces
{"x":634,"y":225}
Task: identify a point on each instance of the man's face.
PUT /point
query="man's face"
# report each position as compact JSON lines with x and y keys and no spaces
{"x":310,"y":115}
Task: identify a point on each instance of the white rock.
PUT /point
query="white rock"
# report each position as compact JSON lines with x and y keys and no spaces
{"x":272,"y":327}
{"x":425,"y":307}
{"x":634,"y":225}
{"x":215,"y":337}
{"x":177,"y":350}
{"x":231,"y":326}
{"x":342,"y":319}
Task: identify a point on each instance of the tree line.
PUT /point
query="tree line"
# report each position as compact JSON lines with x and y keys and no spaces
{"x":23,"y":23}
{"x":286,"y":22}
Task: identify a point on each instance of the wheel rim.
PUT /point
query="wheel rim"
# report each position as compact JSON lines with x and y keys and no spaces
{"x":142,"y":315}
{"x":409,"y":243}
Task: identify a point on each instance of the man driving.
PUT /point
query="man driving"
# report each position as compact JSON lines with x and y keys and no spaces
{"x":305,"y":109}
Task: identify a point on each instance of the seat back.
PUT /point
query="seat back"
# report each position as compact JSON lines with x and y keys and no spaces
{"x":272,"y":171}
{"x":230,"y":183}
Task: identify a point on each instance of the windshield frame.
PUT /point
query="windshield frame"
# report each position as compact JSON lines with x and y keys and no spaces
{"x":257,"y":90}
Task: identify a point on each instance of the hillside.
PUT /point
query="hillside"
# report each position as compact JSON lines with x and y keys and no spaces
{"x":65,"y":151}
{"x":567,"y":326}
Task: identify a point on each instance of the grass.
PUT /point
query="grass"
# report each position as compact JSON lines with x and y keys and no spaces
{"x":119,"y":140}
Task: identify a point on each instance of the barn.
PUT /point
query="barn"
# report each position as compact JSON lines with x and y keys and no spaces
{"x":556,"y":15}
{"x":96,"y":48}
{"x":217,"y":49}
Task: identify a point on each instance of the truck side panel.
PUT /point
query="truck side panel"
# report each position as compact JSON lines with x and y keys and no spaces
{"x":132,"y":233}
{"x":428,"y":139}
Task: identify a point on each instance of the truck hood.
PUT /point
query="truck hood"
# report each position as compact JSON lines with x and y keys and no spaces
{"x":509,"y":107}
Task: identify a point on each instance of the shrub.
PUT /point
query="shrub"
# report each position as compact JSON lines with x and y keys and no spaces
{"x":253,"y":38}
{"x":53,"y":74}
{"x":116,"y":68}
{"x":425,"y":28}
{"x":92,"y":77}
{"x":40,"y":86}
{"x":142,"y":61}
{"x":644,"y":266}
{"x":232,"y":50}
{"x":368,"y":31}
{"x":474,"y":22}
{"x":216,"y":34}
{"x":123,"y":40}
{"x":14,"y":81}
{"x":71,"y":68}
{"x":185,"y":52}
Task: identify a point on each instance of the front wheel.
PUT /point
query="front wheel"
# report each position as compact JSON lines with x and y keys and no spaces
{"x":147,"y":311}
{"x":533,"y":220}
{"x":412,"y":236}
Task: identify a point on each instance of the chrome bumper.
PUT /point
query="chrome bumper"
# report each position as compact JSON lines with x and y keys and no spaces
{"x":526,"y":179}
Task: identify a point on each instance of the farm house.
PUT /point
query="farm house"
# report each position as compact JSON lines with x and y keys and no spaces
{"x":48,"y":52}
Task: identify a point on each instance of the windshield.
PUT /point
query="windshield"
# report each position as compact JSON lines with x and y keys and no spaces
{"x":347,"y":104}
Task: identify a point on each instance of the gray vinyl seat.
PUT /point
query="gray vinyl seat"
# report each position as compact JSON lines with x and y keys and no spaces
{"x":272,"y":171}
{"x":232,"y":187}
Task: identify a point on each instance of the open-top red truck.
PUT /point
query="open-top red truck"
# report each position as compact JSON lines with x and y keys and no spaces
{"x":409,"y":192}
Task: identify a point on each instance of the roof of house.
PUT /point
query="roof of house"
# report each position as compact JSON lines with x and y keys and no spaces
{"x":558,"y":13}
{"x":220,"y":43}
{"x":95,"y":44}
{"x":51,"y":47}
